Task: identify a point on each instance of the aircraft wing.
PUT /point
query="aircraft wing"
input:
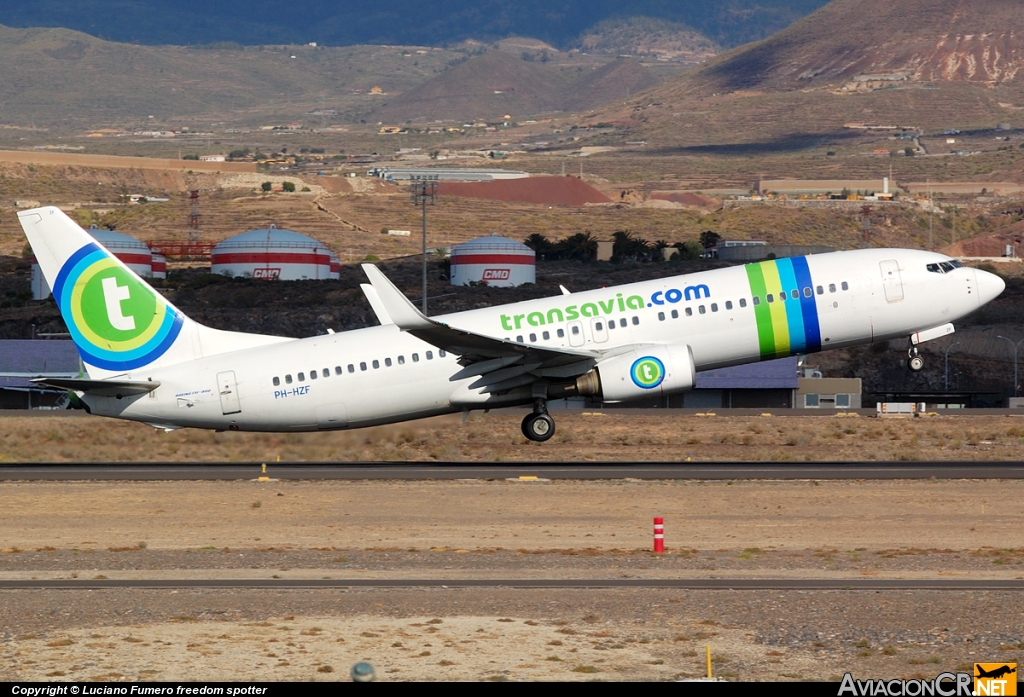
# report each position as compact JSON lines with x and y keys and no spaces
{"x":101,"y":388}
{"x":483,"y":355}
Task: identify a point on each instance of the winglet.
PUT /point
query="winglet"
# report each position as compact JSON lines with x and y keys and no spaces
{"x":375,"y":304}
{"x":395,"y":305}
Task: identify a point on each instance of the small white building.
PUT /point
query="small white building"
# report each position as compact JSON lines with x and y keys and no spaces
{"x":273,"y":254}
{"x":494,"y":261}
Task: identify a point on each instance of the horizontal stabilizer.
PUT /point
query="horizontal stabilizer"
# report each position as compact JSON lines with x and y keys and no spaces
{"x":101,"y":388}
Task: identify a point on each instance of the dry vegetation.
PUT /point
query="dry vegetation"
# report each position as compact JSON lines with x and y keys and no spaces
{"x":615,"y":435}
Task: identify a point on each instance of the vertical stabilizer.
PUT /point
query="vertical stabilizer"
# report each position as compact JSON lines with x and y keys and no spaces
{"x":118,"y":322}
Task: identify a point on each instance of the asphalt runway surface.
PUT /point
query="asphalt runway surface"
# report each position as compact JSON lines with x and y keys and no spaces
{"x":839,"y":584}
{"x":412,"y":471}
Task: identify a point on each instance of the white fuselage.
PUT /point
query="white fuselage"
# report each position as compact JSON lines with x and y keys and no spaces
{"x":383,"y":375}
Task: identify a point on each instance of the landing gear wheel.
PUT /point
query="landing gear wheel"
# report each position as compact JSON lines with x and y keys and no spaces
{"x":538,"y":427}
{"x":914,"y":361}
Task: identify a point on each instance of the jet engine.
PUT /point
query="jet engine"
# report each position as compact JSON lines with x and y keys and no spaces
{"x":646,"y":371}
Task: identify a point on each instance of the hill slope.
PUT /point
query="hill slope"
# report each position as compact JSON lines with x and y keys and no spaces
{"x":497,"y":83}
{"x":915,"y":40}
{"x":54,"y":76}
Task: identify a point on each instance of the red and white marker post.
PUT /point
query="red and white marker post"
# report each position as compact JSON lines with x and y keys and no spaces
{"x":659,"y":535}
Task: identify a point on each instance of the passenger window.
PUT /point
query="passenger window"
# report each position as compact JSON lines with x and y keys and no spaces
{"x":277,"y":381}
{"x":611,"y":324}
{"x":771,"y":298}
{"x":831,"y":287}
{"x":518,"y":338}
{"x":288,"y":379}
{"x":313,"y":375}
{"x":533,"y":338}
{"x":415,"y":358}
{"x":376,"y":364}
{"x":546,"y":335}
{"x":661,"y":316}
{"x":599,"y":326}
{"x":622,"y":322}
{"x":561,"y":333}
{"x":636,"y":320}
{"x":714,"y":307}
{"x":821,"y":291}
{"x":362,"y":365}
{"x":728,"y":304}
{"x":430,"y":355}
{"x":575,"y":330}
{"x":302,"y":377}
{"x":351,"y":368}
{"x":846,"y":286}
{"x":743,"y":302}
{"x":795,"y":294}
{"x":702,"y":310}
{"x":757,"y":300}
{"x":326,"y":372}
{"x":401,"y":360}
{"x":675,"y":314}
{"x":807,"y":292}
{"x":441,"y":353}
{"x":387,"y":362}
{"x":337,"y":370}
{"x":689,"y":312}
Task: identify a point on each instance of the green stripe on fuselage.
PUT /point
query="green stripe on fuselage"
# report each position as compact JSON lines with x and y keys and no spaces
{"x":762,"y":313}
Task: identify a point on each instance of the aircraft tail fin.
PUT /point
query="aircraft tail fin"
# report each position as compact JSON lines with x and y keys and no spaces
{"x":118,"y":322}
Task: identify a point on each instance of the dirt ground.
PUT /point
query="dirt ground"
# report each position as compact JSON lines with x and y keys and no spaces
{"x":612,"y":435}
{"x":506,"y":529}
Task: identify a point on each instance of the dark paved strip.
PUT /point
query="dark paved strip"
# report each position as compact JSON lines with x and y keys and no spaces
{"x":692,"y":584}
{"x":111,"y":471}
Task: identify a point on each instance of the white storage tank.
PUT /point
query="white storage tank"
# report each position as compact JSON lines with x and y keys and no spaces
{"x":272,"y":254}
{"x":136,"y":255}
{"x":495,"y":261}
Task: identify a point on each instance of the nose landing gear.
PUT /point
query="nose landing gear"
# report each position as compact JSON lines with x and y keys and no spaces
{"x":914,"y":360}
{"x":539,"y":426}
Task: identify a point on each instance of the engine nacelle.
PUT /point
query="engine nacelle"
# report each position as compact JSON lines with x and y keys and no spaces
{"x":650,"y":371}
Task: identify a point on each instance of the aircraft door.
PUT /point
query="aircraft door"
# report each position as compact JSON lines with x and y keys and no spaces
{"x":575,"y":330}
{"x":891,"y":281}
{"x":599,"y":329}
{"x":228,"y":392}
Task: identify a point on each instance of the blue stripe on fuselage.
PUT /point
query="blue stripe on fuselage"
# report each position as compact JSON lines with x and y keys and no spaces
{"x":812,"y":331}
{"x":794,"y":314}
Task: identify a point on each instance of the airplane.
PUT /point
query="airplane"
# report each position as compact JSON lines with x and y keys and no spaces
{"x":147,"y":361}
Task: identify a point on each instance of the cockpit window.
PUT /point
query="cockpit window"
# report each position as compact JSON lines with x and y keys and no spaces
{"x":946,"y":266}
{"x":934,"y":268}
{"x":956,"y":264}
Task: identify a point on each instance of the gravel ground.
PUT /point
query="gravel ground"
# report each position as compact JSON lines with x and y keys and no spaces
{"x":473,"y":634}
{"x":500,"y":529}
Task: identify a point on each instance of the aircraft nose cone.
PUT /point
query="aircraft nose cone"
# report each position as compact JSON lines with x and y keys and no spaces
{"x":989,"y":286}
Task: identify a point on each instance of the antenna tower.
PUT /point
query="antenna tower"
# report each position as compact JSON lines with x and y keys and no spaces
{"x":193,"y":216}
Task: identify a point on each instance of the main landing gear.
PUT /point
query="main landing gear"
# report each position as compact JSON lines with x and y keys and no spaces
{"x":539,"y":426}
{"x":914,"y":360}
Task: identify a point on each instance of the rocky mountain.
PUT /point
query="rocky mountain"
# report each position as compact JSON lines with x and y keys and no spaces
{"x":850,"y":43}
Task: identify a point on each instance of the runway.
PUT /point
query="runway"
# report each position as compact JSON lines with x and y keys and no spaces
{"x":413,"y":471}
{"x":727,"y":584}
